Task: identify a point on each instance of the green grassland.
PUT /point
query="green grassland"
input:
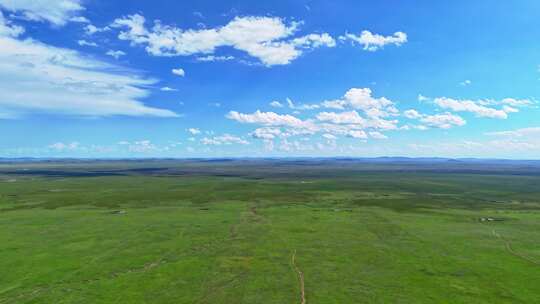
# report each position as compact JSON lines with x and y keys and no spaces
{"x":222,"y":232}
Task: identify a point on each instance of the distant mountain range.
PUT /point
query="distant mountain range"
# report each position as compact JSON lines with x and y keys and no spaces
{"x":384,"y":159}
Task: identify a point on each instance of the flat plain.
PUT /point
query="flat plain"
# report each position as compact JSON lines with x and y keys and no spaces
{"x":270,"y":231}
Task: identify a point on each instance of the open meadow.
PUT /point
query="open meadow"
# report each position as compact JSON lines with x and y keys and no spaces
{"x":269,"y":231}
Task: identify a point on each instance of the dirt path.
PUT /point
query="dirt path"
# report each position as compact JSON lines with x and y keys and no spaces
{"x":509,"y":248}
{"x":300,"y":278}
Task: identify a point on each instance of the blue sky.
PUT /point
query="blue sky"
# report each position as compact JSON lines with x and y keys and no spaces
{"x":280,"y":78}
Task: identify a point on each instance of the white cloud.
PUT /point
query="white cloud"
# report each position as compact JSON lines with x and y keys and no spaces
{"x":115,"y":54}
{"x":329,"y":136}
{"x":501,"y":148}
{"x":524,"y":132}
{"x":377,"y":135}
{"x":314,"y":41}
{"x":357,"y":134}
{"x":290,"y":146}
{"x":91,"y":29}
{"x":443,"y":121}
{"x":293,"y":106}
{"x":86,"y":43}
{"x":168,"y":89}
{"x":509,"y":109}
{"x":351,"y":117}
{"x":7,"y":29}
{"x":265,"y":38}
{"x":179,"y":72}
{"x":225,"y":139}
{"x":146,"y":146}
{"x":194,"y":131}
{"x":412,"y":114}
{"x":36,"y":77}
{"x":470,"y":106}
{"x":266,"y":133}
{"x":347,"y":123}
{"x":337,"y":104}
{"x":212,"y":58}
{"x":57,"y":12}
{"x":517,"y":102}
{"x":465,"y":83}
{"x":276,"y":104}
{"x":362,"y":99}
{"x":373,"y":42}
{"x":422,"y":98}
{"x":79,"y":19}
{"x":143,"y":146}
{"x":267,"y":119}
{"x":59,"y":146}
{"x":365,"y":116}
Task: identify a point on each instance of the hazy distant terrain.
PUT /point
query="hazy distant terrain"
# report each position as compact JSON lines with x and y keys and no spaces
{"x":389,"y":230}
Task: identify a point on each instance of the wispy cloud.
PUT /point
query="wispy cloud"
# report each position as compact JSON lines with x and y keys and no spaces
{"x":57,"y":13}
{"x":36,"y":77}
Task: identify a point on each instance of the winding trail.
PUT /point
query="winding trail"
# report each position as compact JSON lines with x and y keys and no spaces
{"x":509,"y":248}
{"x":300,"y":278}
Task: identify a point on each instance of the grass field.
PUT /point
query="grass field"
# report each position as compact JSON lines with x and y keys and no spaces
{"x":268,"y":232}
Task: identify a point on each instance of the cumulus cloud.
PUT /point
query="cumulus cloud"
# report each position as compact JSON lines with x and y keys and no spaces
{"x":56,"y":12}
{"x":265,"y":38}
{"x":377,"y":135}
{"x":351,"y":117}
{"x":443,"y":121}
{"x":362,"y":99}
{"x":373,"y":42}
{"x":470,"y":106}
{"x":79,"y":19}
{"x":360,"y":114}
{"x":465,"y":83}
{"x":143,"y":146}
{"x":422,"y":98}
{"x":225,"y":139}
{"x":115,"y":54}
{"x":59,"y":146}
{"x":314,"y":41}
{"x":412,"y":114}
{"x":36,"y":77}
{"x":266,"y":133}
{"x":345,"y":123}
{"x":357,"y":134}
{"x":91,"y":29}
{"x":212,"y":58}
{"x":179,"y":72}
{"x":194,"y":131}
{"x":267,"y":119}
{"x":86,"y":43}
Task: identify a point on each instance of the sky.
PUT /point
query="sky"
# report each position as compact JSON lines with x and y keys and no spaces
{"x":305,"y":78}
